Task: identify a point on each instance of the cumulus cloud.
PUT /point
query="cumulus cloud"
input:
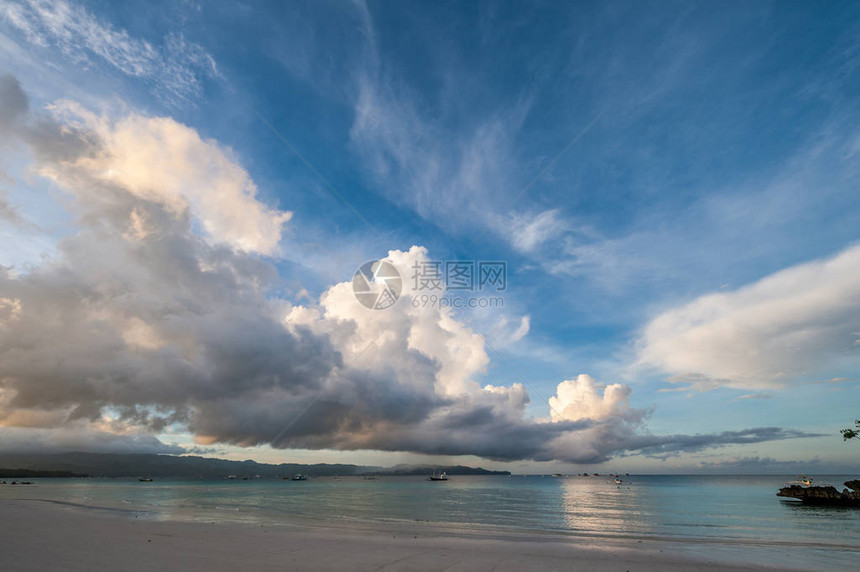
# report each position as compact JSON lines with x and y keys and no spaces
{"x":191,"y":173}
{"x":137,"y":312}
{"x":581,"y":398}
{"x":796,"y":323}
{"x":139,"y":324}
{"x":155,"y":159}
{"x":176,"y":68}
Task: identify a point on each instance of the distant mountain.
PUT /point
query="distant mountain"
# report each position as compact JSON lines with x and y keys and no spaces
{"x":25,"y":473}
{"x":191,"y":467}
{"x":149,"y":465}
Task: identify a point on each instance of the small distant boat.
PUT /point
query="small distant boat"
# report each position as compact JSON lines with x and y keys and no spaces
{"x":443,"y":476}
{"x":145,"y":480}
{"x":231,"y":477}
{"x":299,"y":477}
{"x":557,"y":475}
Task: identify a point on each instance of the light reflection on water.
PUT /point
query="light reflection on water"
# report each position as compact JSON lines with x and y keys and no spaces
{"x":599,"y":505}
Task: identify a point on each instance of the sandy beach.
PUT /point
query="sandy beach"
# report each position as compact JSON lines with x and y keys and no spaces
{"x":39,"y":535}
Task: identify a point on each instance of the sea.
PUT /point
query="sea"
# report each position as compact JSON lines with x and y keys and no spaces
{"x":727,"y":518}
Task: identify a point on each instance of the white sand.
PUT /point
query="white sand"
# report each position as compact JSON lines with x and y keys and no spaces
{"x":44,"y":536}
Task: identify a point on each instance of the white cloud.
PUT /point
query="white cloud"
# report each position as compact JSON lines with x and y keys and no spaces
{"x":424,"y":339}
{"x":528,"y":232}
{"x":159,"y":159}
{"x":785,"y":327}
{"x":176,"y":68}
{"x":584,"y":398}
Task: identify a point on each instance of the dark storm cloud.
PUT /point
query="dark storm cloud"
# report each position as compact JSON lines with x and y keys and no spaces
{"x":140,"y":321}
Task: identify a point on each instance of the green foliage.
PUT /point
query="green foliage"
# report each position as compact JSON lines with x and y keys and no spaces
{"x":851,"y":433}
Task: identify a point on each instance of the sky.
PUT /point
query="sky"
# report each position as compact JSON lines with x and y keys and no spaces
{"x":614,"y":236}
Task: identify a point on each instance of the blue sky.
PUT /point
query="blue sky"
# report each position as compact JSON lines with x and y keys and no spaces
{"x":656,"y":176}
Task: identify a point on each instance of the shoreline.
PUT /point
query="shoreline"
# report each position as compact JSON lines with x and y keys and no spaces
{"x":46,"y":534}
{"x":442,"y":528}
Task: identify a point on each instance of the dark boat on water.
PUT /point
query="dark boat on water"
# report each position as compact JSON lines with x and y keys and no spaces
{"x":443,"y":476}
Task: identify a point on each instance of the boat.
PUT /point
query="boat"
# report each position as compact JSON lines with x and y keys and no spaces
{"x":145,"y":480}
{"x":443,"y":476}
{"x":299,"y":477}
{"x":231,"y":477}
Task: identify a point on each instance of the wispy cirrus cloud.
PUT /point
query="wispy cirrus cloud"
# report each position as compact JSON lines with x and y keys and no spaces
{"x":753,"y":396}
{"x":176,"y":68}
{"x":453,"y":177}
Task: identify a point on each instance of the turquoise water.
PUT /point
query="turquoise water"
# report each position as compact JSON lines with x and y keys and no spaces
{"x":735,"y":518}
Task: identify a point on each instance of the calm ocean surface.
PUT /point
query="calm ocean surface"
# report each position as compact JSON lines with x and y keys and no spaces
{"x":735,"y":518}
